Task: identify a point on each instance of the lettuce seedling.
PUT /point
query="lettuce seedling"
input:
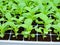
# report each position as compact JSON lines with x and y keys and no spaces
{"x":28,"y":27}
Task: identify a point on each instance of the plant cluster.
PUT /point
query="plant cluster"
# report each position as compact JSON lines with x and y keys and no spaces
{"x":22,"y":13}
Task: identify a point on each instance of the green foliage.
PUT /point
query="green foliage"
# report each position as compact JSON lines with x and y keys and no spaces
{"x":22,"y":13}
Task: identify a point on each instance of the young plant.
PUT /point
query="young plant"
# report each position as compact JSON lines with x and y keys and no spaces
{"x":22,"y":13}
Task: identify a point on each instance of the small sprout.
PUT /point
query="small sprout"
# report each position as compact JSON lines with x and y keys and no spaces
{"x":57,"y":38}
{"x":44,"y":36}
{"x":13,"y":35}
{"x":25,"y":36}
{"x":32,"y":35}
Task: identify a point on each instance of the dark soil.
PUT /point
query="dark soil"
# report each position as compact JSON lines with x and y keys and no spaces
{"x":30,"y":38}
{"x":6,"y":37}
{"x":19,"y":37}
{"x":54,"y":38}
{"x":40,"y":38}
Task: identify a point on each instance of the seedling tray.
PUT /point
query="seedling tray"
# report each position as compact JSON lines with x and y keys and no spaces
{"x":8,"y":39}
{"x":38,"y":37}
{"x":29,"y":22}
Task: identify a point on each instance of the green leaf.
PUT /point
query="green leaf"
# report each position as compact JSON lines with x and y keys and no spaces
{"x":46,"y":31}
{"x":57,"y":15}
{"x":45,"y":18}
{"x":28,"y":21}
{"x":39,"y":29}
{"x":8,"y":15}
{"x":1,"y":19}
